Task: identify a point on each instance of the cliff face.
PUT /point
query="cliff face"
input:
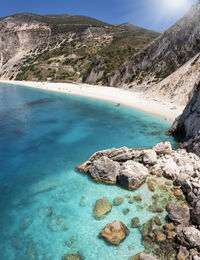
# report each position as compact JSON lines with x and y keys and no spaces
{"x":61,"y":47}
{"x":188,"y":124}
{"x":164,"y":55}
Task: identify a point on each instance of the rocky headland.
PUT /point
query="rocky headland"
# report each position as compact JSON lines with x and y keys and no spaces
{"x":175,"y":235}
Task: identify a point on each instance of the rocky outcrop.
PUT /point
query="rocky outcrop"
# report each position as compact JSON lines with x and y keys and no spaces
{"x":188,"y":124}
{"x":115,"y":232}
{"x":195,"y":213}
{"x":102,"y":207}
{"x":105,"y":170}
{"x":132,"y":175}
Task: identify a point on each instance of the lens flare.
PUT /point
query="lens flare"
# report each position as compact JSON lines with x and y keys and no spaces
{"x":175,"y":5}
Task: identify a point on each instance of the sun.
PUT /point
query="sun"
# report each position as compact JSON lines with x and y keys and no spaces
{"x":175,"y":5}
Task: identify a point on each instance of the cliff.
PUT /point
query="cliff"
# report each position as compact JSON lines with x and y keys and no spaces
{"x":187,"y":125}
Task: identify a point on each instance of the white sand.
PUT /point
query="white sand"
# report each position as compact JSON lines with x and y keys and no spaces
{"x":137,"y":100}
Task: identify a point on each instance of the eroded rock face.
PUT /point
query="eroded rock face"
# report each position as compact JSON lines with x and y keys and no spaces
{"x":189,"y":237}
{"x":132,"y":174}
{"x":105,"y":170}
{"x":115,"y":232}
{"x":102,"y":207}
{"x":179,"y":214}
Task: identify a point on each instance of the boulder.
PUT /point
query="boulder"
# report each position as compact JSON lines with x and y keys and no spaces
{"x":171,"y":170}
{"x":144,"y":256}
{"x":149,"y":157}
{"x":189,"y":237}
{"x":115,"y":232}
{"x":57,"y":223}
{"x":135,"y":222}
{"x":195,"y":213}
{"x":105,"y":170}
{"x":132,"y":174}
{"x":102,"y":207}
{"x":179,"y":214}
{"x":163,"y":148}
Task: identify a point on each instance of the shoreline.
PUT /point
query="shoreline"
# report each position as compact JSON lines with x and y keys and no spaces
{"x":136,"y":100}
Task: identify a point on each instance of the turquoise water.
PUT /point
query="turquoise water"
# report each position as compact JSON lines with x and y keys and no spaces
{"x":46,"y":207}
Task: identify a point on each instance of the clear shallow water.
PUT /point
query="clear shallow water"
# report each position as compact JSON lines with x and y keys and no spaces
{"x":43,"y":136}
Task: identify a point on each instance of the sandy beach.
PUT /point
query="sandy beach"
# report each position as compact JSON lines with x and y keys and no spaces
{"x":137,"y":100}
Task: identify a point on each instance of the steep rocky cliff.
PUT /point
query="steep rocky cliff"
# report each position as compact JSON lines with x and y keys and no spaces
{"x":187,"y":125}
{"x":61,"y":47}
{"x":164,"y":55}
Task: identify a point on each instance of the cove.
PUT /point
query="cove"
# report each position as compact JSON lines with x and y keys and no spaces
{"x":46,"y":206}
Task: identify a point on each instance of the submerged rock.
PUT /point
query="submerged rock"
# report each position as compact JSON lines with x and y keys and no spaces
{"x":102,"y":207}
{"x":118,"y":201}
{"x":74,"y":256}
{"x":132,"y":174}
{"x":84,"y":201}
{"x":57,"y":224}
{"x":115,"y":232}
{"x":25,"y":222}
{"x":135,"y":222}
{"x":105,"y":170}
{"x":45,"y":212}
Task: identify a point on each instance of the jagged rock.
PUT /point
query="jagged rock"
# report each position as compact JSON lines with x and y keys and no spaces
{"x":189,"y":237}
{"x":179,"y":214}
{"x":120,"y":155}
{"x":195,"y":213}
{"x":132,"y":174}
{"x":105,"y":170}
{"x":183,"y":253}
{"x":144,"y":256}
{"x":118,"y":201}
{"x":163,"y":148}
{"x":149,"y":157}
{"x":115,"y":232}
{"x":57,"y":223}
{"x":25,"y":222}
{"x":102,"y":207}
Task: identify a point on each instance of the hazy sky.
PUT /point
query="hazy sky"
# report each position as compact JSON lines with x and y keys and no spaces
{"x":154,"y":14}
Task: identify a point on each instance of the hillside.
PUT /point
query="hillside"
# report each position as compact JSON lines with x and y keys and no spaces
{"x":171,"y":50}
{"x":65,"y":47}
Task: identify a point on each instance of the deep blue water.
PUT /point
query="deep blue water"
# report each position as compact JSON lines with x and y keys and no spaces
{"x":43,"y":136}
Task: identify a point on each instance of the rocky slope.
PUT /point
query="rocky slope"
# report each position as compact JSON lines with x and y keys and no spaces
{"x":61,"y":47}
{"x":164,"y":55}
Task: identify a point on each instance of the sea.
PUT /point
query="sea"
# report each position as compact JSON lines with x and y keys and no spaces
{"x":46,"y":206}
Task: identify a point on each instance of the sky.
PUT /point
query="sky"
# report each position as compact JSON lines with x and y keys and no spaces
{"x":153,"y":14}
